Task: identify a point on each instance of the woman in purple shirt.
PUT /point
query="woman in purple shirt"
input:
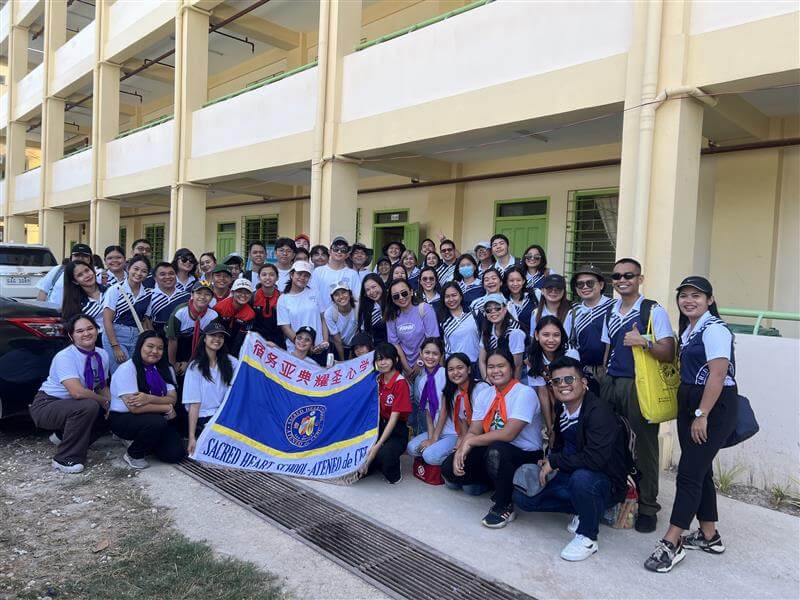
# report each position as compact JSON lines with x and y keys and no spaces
{"x":408,"y":324}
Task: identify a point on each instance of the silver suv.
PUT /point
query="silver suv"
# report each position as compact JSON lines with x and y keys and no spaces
{"x":21,"y":268}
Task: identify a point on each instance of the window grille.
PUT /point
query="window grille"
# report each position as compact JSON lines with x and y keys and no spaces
{"x":591,"y":231}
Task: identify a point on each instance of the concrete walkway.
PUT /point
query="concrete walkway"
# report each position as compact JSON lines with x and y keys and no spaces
{"x":762,"y":560}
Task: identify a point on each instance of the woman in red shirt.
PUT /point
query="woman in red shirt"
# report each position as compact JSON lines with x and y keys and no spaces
{"x":265,"y":305}
{"x":395,"y":406}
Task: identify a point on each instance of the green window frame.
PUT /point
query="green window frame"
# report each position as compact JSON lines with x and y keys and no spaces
{"x":123,"y":237}
{"x":154,"y":232}
{"x":259,"y":227}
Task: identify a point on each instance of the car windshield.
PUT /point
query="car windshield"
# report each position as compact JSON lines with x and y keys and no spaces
{"x":27,"y":257}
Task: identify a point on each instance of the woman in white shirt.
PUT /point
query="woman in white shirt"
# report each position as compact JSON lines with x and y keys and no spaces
{"x":298,"y":306}
{"x":82,"y":293}
{"x":341,"y":319}
{"x":500,"y":330}
{"x":74,"y":397}
{"x":208,"y":379}
{"x":143,"y":399}
{"x":459,"y":327}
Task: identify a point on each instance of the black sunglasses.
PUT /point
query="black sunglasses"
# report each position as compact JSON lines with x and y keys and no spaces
{"x":589,"y":284}
{"x":628,"y":276}
{"x":566,"y":380}
{"x":398,"y":295}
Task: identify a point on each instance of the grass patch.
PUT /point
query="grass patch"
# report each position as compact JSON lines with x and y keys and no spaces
{"x":163,"y":563}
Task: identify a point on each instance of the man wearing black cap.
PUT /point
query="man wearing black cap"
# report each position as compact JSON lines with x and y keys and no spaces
{"x":623,"y":327}
{"x":221,"y":280}
{"x":394,"y":251}
{"x":235,"y":264}
{"x":587,"y":317}
{"x":335,"y":271}
{"x":51,"y":286}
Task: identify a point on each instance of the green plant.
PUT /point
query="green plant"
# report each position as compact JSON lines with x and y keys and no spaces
{"x":783,"y":495}
{"x":725,"y":478}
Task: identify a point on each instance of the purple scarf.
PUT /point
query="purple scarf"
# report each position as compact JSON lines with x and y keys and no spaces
{"x":88,"y":372}
{"x":430,"y":397}
{"x":155,"y":382}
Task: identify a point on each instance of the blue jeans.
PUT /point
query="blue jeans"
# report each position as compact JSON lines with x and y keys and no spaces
{"x":126,"y":338}
{"x":436,"y":452}
{"x":582,"y":492}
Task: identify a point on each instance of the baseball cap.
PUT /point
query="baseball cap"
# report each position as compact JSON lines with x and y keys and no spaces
{"x":81,"y":249}
{"x":339,"y":240}
{"x":496,"y":298}
{"x":307,"y":329}
{"x":234,"y":258}
{"x":242,"y":284}
{"x":482,"y":244}
{"x":587,"y":270}
{"x":303,"y":236}
{"x":554,"y":281}
{"x":339,"y":285}
{"x":700,"y":283}
{"x":215,"y":327}
{"x":303,"y":266}
{"x":223,"y":268}
{"x":201,"y":285}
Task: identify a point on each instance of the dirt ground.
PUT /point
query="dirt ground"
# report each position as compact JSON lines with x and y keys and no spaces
{"x":79,"y":536}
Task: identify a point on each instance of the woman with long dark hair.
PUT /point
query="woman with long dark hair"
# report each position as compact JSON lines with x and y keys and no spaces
{"x":459,"y":327}
{"x":208,"y":378}
{"x":536,"y":269}
{"x":500,"y":330}
{"x":206,"y":264}
{"x":408,"y":323}
{"x":82,"y":293}
{"x":114,"y":259}
{"x":554,"y":302}
{"x":707,"y":415}
{"x":143,"y":399}
{"x":371,"y":305}
{"x":521,"y":301}
{"x":74,"y":397}
{"x":429,"y":290}
{"x":185,"y":265}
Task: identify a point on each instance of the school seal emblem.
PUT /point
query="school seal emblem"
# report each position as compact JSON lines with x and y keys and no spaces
{"x":304,"y":425}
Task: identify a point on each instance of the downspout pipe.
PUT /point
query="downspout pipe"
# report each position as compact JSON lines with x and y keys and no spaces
{"x":319,"y":129}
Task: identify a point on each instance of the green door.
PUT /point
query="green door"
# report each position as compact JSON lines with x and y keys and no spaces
{"x":411,"y":237}
{"x":523,"y":221}
{"x":226,"y":239}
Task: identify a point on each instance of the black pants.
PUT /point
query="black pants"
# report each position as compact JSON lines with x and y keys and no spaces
{"x":494,"y":466}
{"x":695,"y":494}
{"x":151,"y":433}
{"x":387,"y":461}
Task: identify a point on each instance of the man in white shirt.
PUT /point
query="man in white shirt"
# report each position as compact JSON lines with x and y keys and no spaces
{"x":51,"y":286}
{"x":503,"y":258}
{"x":285,"y":249}
{"x":335,"y":271}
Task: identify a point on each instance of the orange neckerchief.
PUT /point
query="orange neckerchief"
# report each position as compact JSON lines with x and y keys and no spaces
{"x":499,"y":404}
{"x":462,"y":396}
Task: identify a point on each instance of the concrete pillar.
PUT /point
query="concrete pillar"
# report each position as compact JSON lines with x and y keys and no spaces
{"x":106,"y":219}
{"x":15,"y":131}
{"x":445,"y":212}
{"x":51,"y":230}
{"x":334,"y":185}
{"x":188,"y":201}
{"x":15,"y":229}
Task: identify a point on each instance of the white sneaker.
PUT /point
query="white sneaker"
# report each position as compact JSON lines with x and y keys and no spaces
{"x":580,"y":548}
{"x":54,"y":439}
{"x":67,"y":466}
{"x":135,"y":463}
{"x":573,"y":525}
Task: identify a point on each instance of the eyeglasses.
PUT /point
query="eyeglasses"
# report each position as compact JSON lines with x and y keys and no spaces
{"x":397,"y":296}
{"x":566,"y":380}
{"x":342,"y":249}
{"x":532,"y":257}
{"x":427,"y":279}
{"x":448,"y":250}
{"x":492,"y":309}
{"x":186,"y":259}
{"x":627,"y":276}
{"x":589,"y":284}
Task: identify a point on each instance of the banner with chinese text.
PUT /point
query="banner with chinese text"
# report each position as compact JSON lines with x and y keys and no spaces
{"x":287,"y":416}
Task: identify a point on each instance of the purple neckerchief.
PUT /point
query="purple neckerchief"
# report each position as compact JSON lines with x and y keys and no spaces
{"x":155,"y":382}
{"x":88,"y":371}
{"x":430,"y":397}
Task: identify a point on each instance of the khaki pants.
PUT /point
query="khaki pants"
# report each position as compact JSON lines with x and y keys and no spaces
{"x":620,"y":393}
{"x":79,"y":421}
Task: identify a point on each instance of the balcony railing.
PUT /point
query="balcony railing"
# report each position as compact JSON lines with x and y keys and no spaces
{"x":759,"y":316}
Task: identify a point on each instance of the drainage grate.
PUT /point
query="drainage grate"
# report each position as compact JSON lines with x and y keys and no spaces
{"x":379,"y":555}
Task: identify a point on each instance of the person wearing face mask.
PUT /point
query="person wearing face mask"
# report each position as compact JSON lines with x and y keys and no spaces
{"x":587,"y":467}
{"x":587,"y":317}
{"x":623,"y":325}
{"x":125,"y":312}
{"x":466,"y":276}
{"x":166,"y":296}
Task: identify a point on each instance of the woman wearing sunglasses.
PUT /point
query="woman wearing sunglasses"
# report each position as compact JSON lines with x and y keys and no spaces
{"x":408,"y":323}
{"x":500,"y":330}
{"x":429,"y":290}
{"x":536,"y":266}
{"x":587,"y":317}
{"x":185,"y":265}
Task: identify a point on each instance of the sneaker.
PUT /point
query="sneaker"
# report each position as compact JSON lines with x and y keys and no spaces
{"x":497,"y":518}
{"x":580,"y":548}
{"x":67,"y":466}
{"x":645,"y":523}
{"x":54,"y":439}
{"x":135,"y":463}
{"x":698,"y":541}
{"x":664,"y":557}
{"x":573,"y":525}
{"x":398,"y":480}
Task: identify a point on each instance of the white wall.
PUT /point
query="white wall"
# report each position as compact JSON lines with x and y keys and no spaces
{"x":3,"y":110}
{"x":4,"y":21}
{"x":27,"y":189}
{"x":73,"y":171}
{"x":75,"y":58}
{"x":492,"y":44}
{"x":708,"y":15}
{"x":787,"y":255}
{"x":140,"y":151}
{"x":280,"y":109}
{"x":29,"y":91}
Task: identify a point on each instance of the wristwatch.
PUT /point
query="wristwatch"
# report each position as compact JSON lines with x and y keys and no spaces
{"x":699,"y":413}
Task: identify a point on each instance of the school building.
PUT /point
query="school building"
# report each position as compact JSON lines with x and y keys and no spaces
{"x":665,"y":130}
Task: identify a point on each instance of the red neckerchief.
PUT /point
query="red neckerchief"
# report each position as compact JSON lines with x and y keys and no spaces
{"x":462,"y":396}
{"x":197,"y":317}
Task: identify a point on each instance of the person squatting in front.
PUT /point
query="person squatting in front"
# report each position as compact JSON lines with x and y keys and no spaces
{"x":506,"y":432}
{"x":587,"y":466}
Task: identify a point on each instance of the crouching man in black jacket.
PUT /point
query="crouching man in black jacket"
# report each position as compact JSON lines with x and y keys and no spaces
{"x":586,"y":470}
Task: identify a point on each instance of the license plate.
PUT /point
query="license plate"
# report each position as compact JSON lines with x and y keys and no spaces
{"x":18,"y":280}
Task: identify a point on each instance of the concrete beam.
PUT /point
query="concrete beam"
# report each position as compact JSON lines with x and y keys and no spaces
{"x":257,"y":28}
{"x":744,"y":115}
{"x":155,"y":72}
{"x":413,"y":168}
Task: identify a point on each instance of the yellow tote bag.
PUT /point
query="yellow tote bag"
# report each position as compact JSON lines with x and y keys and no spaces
{"x":656,"y":383}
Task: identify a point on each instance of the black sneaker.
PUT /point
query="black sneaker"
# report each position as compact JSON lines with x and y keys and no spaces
{"x":664,"y":557}
{"x":645,"y":523}
{"x":698,"y":541}
{"x":67,"y":466}
{"x":498,"y":517}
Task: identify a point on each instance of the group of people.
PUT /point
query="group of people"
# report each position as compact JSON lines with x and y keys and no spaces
{"x":485,"y":367}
